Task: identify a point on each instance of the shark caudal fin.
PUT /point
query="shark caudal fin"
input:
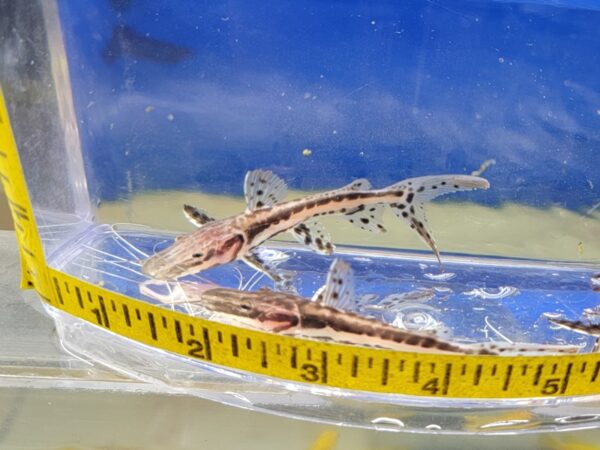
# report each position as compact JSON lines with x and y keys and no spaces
{"x":410,"y":207}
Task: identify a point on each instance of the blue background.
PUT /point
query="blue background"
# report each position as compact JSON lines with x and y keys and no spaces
{"x":382,"y":89}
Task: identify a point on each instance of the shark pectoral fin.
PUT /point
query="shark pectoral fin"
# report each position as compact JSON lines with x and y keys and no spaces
{"x":313,"y":235}
{"x":256,"y":262}
{"x":278,"y":319}
{"x":338,"y":291}
{"x":369,"y":218}
{"x":282,"y":278}
{"x":262,"y":188}
{"x":196,"y":216}
{"x":410,"y":207}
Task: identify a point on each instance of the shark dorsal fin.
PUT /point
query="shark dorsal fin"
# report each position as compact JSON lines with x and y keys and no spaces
{"x":262,"y":188}
{"x":360,"y":184}
{"x":338,"y":291}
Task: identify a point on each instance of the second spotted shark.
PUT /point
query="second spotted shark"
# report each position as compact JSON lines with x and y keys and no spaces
{"x":326,"y":317}
{"x":578,"y":326}
{"x":221,"y":241}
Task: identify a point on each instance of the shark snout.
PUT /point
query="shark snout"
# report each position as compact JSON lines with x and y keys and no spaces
{"x":158,"y":268}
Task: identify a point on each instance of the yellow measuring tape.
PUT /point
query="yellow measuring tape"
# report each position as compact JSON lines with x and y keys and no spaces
{"x":286,"y":358}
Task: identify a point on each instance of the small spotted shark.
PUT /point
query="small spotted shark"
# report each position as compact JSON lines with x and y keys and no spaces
{"x":325,"y":317}
{"x":221,"y":241}
{"x":578,"y":326}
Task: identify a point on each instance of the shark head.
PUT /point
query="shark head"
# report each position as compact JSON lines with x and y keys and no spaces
{"x":213,"y":244}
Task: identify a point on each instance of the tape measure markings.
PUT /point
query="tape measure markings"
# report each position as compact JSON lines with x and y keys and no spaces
{"x":209,"y":341}
{"x":596,"y":371}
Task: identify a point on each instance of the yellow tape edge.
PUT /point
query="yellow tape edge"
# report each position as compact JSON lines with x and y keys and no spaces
{"x":33,"y":264}
{"x":283,"y":357}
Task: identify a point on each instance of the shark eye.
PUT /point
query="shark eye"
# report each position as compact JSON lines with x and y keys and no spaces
{"x":245,"y":307}
{"x":198,"y":255}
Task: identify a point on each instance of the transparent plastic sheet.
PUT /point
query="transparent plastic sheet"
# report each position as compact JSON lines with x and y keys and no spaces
{"x":420,"y":299}
{"x":406,"y":290}
{"x":386,"y":413}
{"x":71,"y":401}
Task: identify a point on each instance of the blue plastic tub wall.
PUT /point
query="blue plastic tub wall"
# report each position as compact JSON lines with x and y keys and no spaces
{"x":190,"y":95}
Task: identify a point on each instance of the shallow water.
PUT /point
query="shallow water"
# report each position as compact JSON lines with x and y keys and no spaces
{"x":472,"y":300}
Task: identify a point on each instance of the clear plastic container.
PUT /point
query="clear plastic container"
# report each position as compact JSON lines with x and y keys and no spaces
{"x":123,"y":112}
